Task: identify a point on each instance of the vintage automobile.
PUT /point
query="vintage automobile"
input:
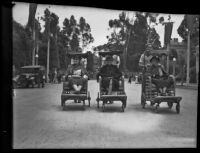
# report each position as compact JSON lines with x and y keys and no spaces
{"x":30,"y":76}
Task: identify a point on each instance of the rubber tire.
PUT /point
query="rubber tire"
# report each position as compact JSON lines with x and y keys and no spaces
{"x":123,"y":107}
{"x":178,"y":108}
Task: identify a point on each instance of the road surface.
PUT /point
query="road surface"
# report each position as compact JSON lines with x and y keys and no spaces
{"x":39,"y":121}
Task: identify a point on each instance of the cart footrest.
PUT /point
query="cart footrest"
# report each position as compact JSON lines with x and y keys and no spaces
{"x":167,"y":99}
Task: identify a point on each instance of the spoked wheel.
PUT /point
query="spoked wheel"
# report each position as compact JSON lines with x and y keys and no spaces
{"x":170,"y":104}
{"x":178,"y":108}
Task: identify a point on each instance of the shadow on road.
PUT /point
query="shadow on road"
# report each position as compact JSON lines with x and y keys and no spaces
{"x":110,"y":108}
{"x":148,"y":108}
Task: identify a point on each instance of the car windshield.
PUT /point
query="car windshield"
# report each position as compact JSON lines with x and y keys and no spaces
{"x":29,"y":70}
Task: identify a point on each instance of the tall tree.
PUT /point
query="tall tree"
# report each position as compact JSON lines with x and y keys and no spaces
{"x":52,"y":20}
{"x":31,"y":26}
{"x":132,"y":35}
{"x":85,"y":33}
{"x":31,"y":17}
{"x":184,"y":26}
{"x":22,"y":43}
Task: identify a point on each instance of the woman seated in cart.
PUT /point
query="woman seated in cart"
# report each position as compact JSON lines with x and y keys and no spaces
{"x":160,"y":78}
{"x":107,"y":72}
{"x":77,"y":75}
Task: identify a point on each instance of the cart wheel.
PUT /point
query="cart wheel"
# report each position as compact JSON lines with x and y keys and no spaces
{"x":143,"y":101}
{"x":125,"y":104}
{"x":98,"y":100}
{"x":123,"y":107}
{"x":63,"y":106}
{"x":170,"y":104}
{"x":103,"y":107}
{"x":62,"y":102}
{"x":97,"y":104}
{"x":156,"y":108}
{"x":143,"y":105}
{"x":89,"y":98}
{"x":178,"y":108}
{"x":88,"y":102}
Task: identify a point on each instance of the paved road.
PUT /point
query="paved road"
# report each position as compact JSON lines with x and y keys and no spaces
{"x":39,"y":121}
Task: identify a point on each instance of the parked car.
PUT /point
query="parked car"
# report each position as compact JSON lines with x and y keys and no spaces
{"x":30,"y":76}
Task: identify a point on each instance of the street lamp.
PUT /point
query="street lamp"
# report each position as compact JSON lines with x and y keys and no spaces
{"x":174,"y":65}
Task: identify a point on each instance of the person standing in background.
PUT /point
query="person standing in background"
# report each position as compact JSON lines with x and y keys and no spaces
{"x":145,"y":57}
{"x":116,"y":60}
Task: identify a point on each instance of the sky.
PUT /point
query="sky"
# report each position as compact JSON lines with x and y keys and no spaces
{"x":97,"y":18}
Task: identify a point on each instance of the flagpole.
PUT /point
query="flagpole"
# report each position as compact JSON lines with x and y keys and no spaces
{"x":37,"y":42}
{"x":188,"y":59}
{"x":168,"y":49}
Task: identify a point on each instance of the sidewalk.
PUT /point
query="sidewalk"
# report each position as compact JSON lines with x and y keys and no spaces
{"x":190,"y":86}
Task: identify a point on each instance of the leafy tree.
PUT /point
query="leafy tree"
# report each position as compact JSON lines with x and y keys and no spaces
{"x":85,"y":33}
{"x":183,"y":30}
{"x":51,"y":29}
{"x":194,"y":36}
{"x":22,"y":43}
{"x":131,"y":36}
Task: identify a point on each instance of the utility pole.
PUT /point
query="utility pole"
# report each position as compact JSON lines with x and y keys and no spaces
{"x":168,"y":49}
{"x":197,"y":64}
{"x":33,"y":53}
{"x":37,"y":42}
{"x":188,"y":59}
{"x":48,"y":47}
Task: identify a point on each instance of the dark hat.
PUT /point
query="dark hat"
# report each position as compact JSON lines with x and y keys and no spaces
{"x":109,"y":58}
{"x":156,"y":58}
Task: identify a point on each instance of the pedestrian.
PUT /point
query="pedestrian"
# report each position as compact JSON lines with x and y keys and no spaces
{"x":183,"y":72}
{"x":55,"y":76}
{"x":50,"y":77}
{"x":144,"y":61}
{"x":59,"y":77}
